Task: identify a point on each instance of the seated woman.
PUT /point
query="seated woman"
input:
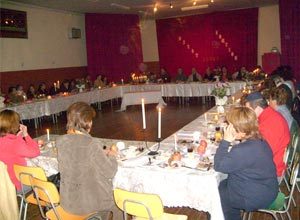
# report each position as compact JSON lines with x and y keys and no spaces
{"x":252,"y":181}
{"x":42,"y":90}
{"x":86,"y":169}
{"x":31,"y":92}
{"x":99,"y":82}
{"x":15,"y":143}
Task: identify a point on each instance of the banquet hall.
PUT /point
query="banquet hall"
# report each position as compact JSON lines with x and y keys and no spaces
{"x":151,"y":87}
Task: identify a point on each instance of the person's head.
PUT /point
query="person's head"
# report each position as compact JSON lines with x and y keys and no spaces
{"x":180,"y":71}
{"x":208,"y":71}
{"x":99,"y":77}
{"x":194,"y":71}
{"x":9,"y":122}
{"x":224,"y":70}
{"x":277,"y":96}
{"x":42,"y":86}
{"x":31,"y":88}
{"x":19,"y":88}
{"x":244,"y":121}
{"x":256,"y":102}
{"x":12,"y":90}
{"x":80,"y":116}
{"x":163,"y":71}
{"x":243,"y":69}
{"x":66,"y":83}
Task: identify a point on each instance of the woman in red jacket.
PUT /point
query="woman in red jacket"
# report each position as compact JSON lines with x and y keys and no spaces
{"x":15,"y":143}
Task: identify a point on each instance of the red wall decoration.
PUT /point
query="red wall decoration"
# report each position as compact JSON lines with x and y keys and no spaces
{"x":222,"y":38}
{"x":113,"y":45}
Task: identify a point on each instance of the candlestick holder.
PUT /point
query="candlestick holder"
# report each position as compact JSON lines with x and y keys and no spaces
{"x":155,"y":152}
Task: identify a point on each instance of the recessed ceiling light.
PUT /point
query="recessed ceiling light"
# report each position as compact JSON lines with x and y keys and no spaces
{"x":171,"y":6}
{"x":120,"y":6}
{"x":193,"y":7}
{"x":212,"y":1}
{"x":194,"y":3}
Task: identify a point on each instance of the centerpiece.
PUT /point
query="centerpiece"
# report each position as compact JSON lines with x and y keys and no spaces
{"x":221,"y":91}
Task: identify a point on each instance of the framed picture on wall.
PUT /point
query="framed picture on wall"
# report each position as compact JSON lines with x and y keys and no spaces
{"x":13,"y":23}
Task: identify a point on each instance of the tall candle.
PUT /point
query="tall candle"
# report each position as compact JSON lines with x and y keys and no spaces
{"x":122,"y":80}
{"x":205,"y":117}
{"x":58,"y":85}
{"x":54,"y":86}
{"x":143,"y":114}
{"x":175,"y":140}
{"x":48,"y":134}
{"x":159,"y":123}
{"x":232,"y":99}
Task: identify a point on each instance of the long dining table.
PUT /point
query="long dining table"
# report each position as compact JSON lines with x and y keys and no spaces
{"x":178,"y":186}
{"x":59,"y":103}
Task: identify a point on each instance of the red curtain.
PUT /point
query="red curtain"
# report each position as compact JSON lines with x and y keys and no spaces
{"x":113,"y":44}
{"x":290,"y":34}
{"x":223,"y":39}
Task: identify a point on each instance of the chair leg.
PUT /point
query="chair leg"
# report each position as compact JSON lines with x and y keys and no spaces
{"x":289,"y":216}
{"x":21,"y":208}
{"x":249,"y":216}
{"x":25,"y":211}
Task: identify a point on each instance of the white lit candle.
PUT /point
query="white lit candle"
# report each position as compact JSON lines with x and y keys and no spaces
{"x":175,"y":142}
{"x":54,"y":86}
{"x":122,"y":80}
{"x":48,"y":134}
{"x":58,"y":85}
{"x":205,"y":117}
{"x":143,"y":114}
{"x":159,"y":123}
{"x":232,"y":99}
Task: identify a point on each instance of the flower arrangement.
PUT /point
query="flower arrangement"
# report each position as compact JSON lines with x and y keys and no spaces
{"x":221,"y":90}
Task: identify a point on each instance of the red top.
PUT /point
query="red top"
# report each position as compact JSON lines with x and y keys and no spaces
{"x":274,"y":129}
{"x":13,"y":150}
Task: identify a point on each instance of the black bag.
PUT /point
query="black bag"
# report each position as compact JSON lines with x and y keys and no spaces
{"x":55,"y":179}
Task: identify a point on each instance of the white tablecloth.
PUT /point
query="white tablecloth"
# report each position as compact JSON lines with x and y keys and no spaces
{"x":58,"y":104}
{"x":177,"y":187}
{"x":134,"y":98}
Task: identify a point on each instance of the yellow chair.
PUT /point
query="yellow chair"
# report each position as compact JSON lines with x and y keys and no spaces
{"x":143,"y":206}
{"x":47,"y":192}
{"x":24,"y":174}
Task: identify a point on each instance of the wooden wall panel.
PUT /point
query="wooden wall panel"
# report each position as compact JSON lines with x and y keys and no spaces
{"x":35,"y":77}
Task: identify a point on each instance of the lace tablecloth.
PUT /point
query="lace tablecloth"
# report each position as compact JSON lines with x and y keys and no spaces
{"x":55,"y":105}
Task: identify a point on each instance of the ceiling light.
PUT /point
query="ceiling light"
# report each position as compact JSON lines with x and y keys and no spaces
{"x":193,"y":7}
{"x":194,"y":3}
{"x":212,"y":1}
{"x":120,"y":6}
{"x":171,"y":6}
{"x":155,"y":8}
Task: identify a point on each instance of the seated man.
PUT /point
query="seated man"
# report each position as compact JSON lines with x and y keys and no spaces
{"x":195,"y":76}
{"x":273,"y":128}
{"x":181,"y":77}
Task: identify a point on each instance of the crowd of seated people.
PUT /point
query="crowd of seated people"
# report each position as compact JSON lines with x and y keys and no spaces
{"x":210,"y":75}
{"x":16,"y":94}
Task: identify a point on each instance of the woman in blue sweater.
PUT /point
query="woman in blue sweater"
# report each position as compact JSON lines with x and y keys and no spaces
{"x":252,"y":182}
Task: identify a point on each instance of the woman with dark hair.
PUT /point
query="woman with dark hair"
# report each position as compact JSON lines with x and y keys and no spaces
{"x":31,"y":92}
{"x":252,"y":182}
{"x":86,"y":169}
{"x":15,"y":143}
{"x":42,"y":90}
